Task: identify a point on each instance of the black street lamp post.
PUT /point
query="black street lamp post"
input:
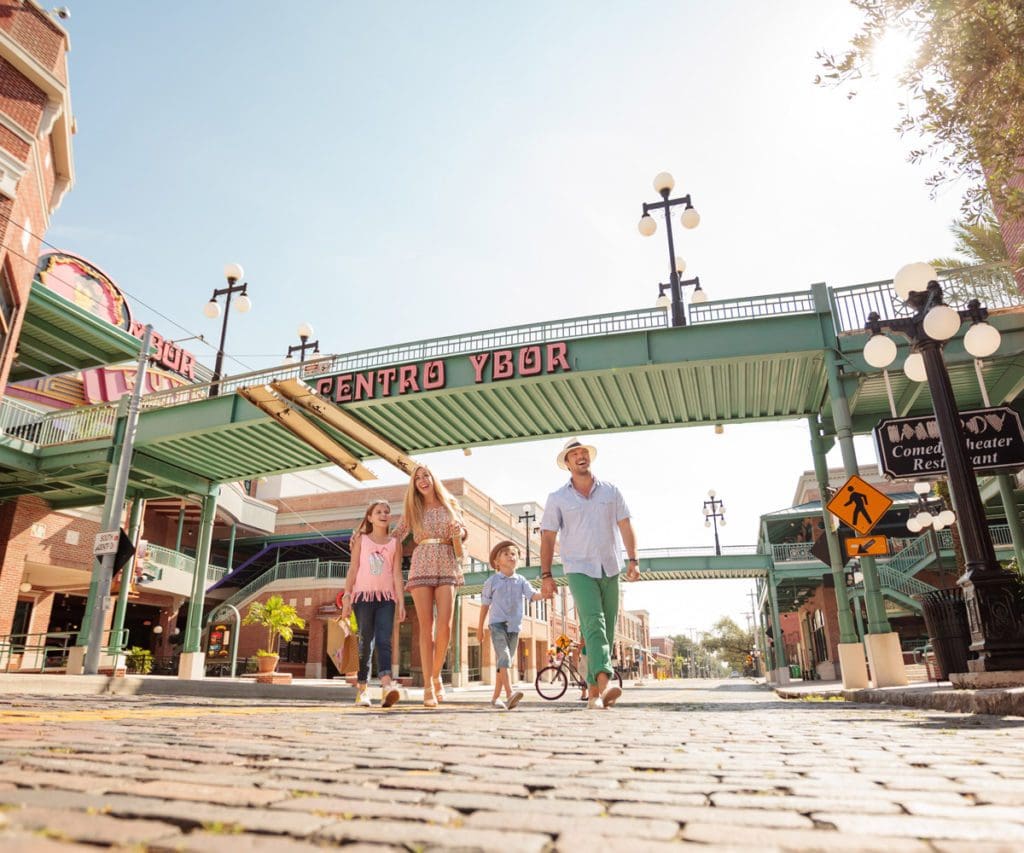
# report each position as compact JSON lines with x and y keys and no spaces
{"x":527,"y":519}
{"x":995,"y":611}
{"x":713,"y":511}
{"x":232,"y":272}
{"x":663,"y":184}
{"x":305,"y":333}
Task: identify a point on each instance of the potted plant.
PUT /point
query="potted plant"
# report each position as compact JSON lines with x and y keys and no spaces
{"x":279,"y":619}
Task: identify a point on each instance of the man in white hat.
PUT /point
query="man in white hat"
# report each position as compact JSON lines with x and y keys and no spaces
{"x":590,"y":515}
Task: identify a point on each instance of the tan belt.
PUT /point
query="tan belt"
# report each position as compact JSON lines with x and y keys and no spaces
{"x":434,"y":542}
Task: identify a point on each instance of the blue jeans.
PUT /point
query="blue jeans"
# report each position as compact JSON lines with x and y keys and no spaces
{"x":505,"y":643}
{"x":376,"y":620}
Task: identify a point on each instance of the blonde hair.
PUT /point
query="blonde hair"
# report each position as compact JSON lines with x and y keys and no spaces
{"x":412,"y":506}
{"x":366,"y":526}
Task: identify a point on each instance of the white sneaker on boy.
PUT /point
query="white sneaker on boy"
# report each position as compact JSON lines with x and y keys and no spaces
{"x":363,"y":698}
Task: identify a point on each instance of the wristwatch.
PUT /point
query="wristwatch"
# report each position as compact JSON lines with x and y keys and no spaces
{"x":633,"y":560}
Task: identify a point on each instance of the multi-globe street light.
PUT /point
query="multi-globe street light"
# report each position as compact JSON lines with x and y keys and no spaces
{"x":663,"y":184}
{"x":995,"y":610}
{"x":527,"y":518}
{"x":233,"y":273}
{"x":714,"y":511}
{"x":305,"y":333}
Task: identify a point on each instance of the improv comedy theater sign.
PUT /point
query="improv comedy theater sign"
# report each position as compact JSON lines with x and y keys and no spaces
{"x":910,"y":447}
{"x":492,"y":366}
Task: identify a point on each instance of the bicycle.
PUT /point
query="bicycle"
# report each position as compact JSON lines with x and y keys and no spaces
{"x":552,"y":681}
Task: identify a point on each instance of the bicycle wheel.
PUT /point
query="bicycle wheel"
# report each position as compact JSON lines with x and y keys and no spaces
{"x":551,"y":682}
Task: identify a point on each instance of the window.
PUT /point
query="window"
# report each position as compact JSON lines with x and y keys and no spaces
{"x":295,"y":651}
{"x":7,"y":307}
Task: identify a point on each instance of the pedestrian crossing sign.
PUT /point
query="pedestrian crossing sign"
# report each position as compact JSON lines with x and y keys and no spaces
{"x":859,"y":505}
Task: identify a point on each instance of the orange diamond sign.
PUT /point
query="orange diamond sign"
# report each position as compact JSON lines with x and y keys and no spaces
{"x":859,"y":505}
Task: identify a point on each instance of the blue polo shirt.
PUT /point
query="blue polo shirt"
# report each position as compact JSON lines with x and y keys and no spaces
{"x":588,"y":528}
{"x":506,"y":595}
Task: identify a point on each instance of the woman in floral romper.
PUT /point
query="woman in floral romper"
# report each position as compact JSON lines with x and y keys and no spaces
{"x":433,"y":518}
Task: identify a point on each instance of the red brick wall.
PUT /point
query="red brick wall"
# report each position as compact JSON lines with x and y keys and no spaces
{"x":19,"y":543}
{"x":36,"y":32}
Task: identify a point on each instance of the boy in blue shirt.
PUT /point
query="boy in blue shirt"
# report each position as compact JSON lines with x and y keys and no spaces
{"x":503,"y":597}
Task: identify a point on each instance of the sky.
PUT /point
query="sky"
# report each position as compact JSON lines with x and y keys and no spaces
{"x":401,"y":171}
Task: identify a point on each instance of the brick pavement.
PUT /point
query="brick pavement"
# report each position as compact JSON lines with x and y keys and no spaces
{"x":726,"y":765}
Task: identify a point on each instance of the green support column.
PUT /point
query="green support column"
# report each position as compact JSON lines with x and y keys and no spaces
{"x":193,"y":627}
{"x":231,"y":546}
{"x":858,"y":618}
{"x":1005,"y":482}
{"x":847,"y":632}
{"x":773,"y":603}
{"x":181,"y":528}
{"x":127,"y":575}
{"x":457,"y":642}
{"x":878,"y":622}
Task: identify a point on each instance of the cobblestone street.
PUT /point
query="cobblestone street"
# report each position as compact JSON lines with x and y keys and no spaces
{"x":725,"y":764}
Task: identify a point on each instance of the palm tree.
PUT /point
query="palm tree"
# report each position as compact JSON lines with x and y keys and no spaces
{"x":278,"y":618}
{"x":980,"y":243}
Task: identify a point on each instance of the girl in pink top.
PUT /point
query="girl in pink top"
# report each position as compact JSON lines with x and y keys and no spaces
{"x":373,"y":588}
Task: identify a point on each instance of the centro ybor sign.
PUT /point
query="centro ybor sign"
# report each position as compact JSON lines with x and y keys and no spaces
{"x":910,"y":447}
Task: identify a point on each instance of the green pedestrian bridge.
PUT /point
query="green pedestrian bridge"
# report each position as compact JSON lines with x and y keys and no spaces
{"x":794,"y":355}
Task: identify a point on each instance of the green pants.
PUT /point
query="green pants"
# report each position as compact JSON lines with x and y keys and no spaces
{"x":597,"y":602}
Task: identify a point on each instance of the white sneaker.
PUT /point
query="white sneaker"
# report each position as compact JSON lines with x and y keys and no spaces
{"x":363,"y":698}
{"x":515,"y":699}
{"x":594,"y":703}
{"x":389,"y":695}
{"x":498,"y":705}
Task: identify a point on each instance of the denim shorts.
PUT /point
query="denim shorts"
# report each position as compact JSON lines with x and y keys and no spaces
{"x":505,"y":644}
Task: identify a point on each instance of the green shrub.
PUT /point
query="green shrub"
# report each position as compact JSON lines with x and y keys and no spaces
{"x":139,"y":661}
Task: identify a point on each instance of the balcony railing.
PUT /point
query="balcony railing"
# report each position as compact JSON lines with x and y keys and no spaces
{"x":165,"y":558}
{"x":320,"y":569}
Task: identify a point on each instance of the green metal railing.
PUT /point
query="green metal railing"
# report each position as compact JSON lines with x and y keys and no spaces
{"x":164,"y":558}
{"x":46,"y":651}
{"x":319,"y":569}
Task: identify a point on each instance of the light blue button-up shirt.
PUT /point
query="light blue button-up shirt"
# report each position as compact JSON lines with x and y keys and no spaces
{"x":588,"y":528}
{"x":506,"y":596}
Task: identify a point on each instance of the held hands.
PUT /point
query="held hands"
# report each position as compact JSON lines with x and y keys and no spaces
{"x":547,"y":587}
{"x":632,"y":572}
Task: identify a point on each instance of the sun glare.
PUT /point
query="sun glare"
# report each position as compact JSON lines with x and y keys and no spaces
{"x":893,"y":53}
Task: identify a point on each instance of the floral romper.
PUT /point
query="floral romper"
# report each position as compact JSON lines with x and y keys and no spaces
{"x":433,"y":563}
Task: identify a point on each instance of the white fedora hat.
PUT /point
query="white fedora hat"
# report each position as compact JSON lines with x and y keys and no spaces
{"x":572,"y":444}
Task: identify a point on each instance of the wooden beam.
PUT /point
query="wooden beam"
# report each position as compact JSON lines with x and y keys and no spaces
{"x":345,"y":422}
{"x":269,"y":401}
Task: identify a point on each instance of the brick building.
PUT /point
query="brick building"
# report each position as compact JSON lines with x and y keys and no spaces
{"x":36,"y":170}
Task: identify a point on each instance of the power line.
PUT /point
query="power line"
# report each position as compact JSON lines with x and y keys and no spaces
{"x":124,"y":290}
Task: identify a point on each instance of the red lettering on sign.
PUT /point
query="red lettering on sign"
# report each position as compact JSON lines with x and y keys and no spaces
{"x":364,"y":385}
{"x":556,"y":357}
{"x":325,"y":385}
{"x":433,"y":375}
{"x":407,"y":378}
{"x":479,"y":361}
{"x":529,"y":361}
{"x":504,"y":365}
{"x":172,"y":356}
{"x":343,"y":388}
{"x":385,"y":378}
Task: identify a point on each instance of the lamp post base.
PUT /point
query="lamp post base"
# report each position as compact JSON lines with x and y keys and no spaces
{"x":886,"y":659}
{"x":995,"y":614}
{"x":780,"y":676}
{"x":853,"y":666}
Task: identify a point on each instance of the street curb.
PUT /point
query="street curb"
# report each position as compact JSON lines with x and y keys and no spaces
{"x":168,"y":685}
{"x":1001,"y":702}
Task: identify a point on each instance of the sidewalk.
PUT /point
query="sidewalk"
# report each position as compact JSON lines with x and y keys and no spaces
{"x":307,"y":689}
{"x":932,"y":695}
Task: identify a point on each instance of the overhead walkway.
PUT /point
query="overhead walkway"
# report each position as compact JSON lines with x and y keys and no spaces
{"x":743,"y":360}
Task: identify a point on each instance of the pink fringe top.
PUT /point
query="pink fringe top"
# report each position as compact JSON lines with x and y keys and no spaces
{"x":375,"y":575}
